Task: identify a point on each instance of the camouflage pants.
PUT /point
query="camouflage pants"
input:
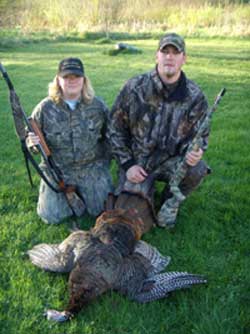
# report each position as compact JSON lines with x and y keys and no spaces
{"x":193,"y":178}
{"x":93,"y":182}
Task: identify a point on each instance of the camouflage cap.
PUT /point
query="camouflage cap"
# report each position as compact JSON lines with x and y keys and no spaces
{"x":70,"y":66}
{"x":172,"y":39}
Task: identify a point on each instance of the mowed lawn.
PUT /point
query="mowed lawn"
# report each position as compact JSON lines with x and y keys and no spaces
{"x":212,"y":232}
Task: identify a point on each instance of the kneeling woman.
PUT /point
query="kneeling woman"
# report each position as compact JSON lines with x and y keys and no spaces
{"x":73,"y":121}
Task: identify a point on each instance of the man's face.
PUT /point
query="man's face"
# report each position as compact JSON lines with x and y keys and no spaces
{"x":169,"y":63}
{"x":71,"y":86}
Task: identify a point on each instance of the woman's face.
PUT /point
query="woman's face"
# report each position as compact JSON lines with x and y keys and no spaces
{"x":71,"y":86}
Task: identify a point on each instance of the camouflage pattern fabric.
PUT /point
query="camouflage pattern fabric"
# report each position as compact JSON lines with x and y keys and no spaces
{"x":75,"y":137}
{"x":93,"y":181}
{"x":168,"y":212}
{"x":172,"y":39}
{"x":152,"y":125}
{"x":177,"y":193}
{"x":80,"y":149}
{"x":148,"y":125}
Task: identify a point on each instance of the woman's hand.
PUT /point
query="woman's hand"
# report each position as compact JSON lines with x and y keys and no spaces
{"x":32,"y":140}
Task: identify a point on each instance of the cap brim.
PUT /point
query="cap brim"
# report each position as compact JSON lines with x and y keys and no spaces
{"x":73,"y":71}
{"x":173,"y":44}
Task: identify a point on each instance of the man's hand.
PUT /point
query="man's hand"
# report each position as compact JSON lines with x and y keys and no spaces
{"x":193,"y":157}
{"x":136,"y":174}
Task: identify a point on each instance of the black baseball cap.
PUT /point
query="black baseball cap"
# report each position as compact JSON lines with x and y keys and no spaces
{"x":70,"y":66}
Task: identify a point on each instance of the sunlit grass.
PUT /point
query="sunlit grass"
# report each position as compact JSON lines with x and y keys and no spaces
{"x":212,"y":233}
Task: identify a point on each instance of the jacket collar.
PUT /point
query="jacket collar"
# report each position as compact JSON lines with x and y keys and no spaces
{"x":178,"y":94}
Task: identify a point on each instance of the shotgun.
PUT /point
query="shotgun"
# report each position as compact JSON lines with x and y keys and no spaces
{"x":170,"y":206}
{"x":21,"y":121}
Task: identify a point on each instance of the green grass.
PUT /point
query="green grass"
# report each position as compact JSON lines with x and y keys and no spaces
{"x":212,"y":233}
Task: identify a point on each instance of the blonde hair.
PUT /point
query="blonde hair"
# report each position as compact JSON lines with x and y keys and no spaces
{"x":55,"y":91}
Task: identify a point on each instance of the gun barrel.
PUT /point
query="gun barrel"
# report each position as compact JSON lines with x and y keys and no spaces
{"x":223,"y":91}
{"x":6,"y":77}
{"x":219,"y":96}
{"x":2,"y":69}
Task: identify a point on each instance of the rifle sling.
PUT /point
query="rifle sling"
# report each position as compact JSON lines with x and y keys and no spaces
{"x":74,"y":200}
{"x":28,"y":168}
{"x":29,"y":158}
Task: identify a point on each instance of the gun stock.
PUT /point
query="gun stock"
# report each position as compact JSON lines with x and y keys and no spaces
{"x":37,"y":131}
{"x":74,"y":200}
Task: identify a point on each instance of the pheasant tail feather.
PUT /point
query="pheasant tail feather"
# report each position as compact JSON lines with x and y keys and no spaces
{"x":159,"y":286}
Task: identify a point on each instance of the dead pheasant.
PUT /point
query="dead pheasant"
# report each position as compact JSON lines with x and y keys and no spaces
{"x":111,"y":256}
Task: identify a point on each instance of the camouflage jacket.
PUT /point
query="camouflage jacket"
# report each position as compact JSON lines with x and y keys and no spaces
{"x":75,"y":137}
{"x":148,"y":124}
